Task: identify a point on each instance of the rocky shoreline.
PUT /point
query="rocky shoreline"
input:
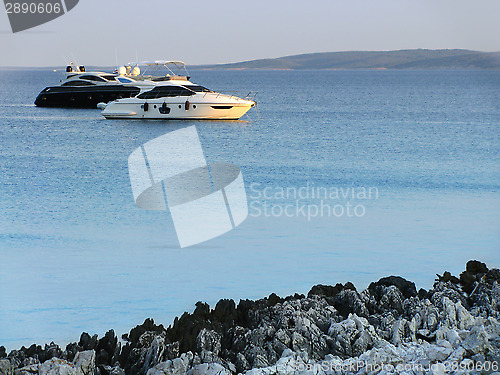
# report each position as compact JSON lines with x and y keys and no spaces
{"x":389,"y":328}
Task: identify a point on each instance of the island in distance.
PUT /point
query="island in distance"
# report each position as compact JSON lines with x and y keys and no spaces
{"x":446,"y":59}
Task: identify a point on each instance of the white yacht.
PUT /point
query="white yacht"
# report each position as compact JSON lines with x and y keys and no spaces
{"x":173,"y":96}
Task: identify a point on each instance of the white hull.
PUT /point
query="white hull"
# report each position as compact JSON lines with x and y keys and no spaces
{"x":204,"y":106}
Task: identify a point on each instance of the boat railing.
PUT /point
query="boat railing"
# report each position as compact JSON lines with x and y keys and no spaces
{"x":234,"y":94}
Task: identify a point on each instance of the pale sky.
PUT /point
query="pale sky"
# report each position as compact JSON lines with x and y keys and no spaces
{"x":220,"y":31}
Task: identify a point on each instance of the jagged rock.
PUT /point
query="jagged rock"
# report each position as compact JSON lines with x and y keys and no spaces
{"x":300,"y":344}
{"x":495,"y":295}
{"x":6,"y":367}
{"x":476,"y":341}
{"x":155,"y":353}
{"x":328,"y":290}
{"x":386,"y":324}
{"x":349,"y":302}
{"x":260,"y":361}
{"x":449,"y":335}
{"x":148,"y":326}
{"x":225,"y":311}
{"x":107,"y":349}
{"x":109,"y":370}
{"x":241,"y":363}
{"x":289,"y":363}
{"x":449,"y":291}
{"x":473,"y":273}
{"x":439,"y":352}
{"x":85,"y":362}
{"x":399,"y":331}
{"x":177,"y":366}
{"x":457,"y":355}
{"x":407,"y":288}
{"x":35,"y":351}
{"x":208,"y":340}
{"x":392,"y":299}
{"x":146,"y":346}
{"x":209,"y":369}
{"x":86,"y":342}
{"x":27,"y":370}
{"x":352,"y":336}
{"x":281,"y":341}
{"x":464,"y":319}
{"x":56,"y":366}
{"x":448,"y":277}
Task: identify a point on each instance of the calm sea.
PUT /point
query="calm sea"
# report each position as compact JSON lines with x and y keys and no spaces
{"x":350,"y":175}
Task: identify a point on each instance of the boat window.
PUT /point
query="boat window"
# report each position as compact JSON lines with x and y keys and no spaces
{"x":109,"y":78}
{"x":197,"y":88}
{"x":165,"y":91}
{"x":221,"y":106}
{"x":160,"y":79}
{"x":168,"y":78}
{"x":78,"y":83}
{"x":125,"y":80}
{"x":93,"y":78}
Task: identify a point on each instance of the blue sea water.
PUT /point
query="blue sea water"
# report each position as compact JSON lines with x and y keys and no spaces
{"x":76,"y":254}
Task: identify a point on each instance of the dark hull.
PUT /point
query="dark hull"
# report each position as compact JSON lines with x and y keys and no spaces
{"x":83,"y":97}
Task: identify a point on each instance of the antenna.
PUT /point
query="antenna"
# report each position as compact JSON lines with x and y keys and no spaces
{"x":116,"y":58}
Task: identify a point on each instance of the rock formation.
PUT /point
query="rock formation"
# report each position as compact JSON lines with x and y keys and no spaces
{"x":388,"y":328}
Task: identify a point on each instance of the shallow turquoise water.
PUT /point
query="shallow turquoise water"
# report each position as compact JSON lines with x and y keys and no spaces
{"x":77,"y":254}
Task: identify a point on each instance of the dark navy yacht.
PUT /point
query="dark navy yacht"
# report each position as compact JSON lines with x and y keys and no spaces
{"x":81,"y":89}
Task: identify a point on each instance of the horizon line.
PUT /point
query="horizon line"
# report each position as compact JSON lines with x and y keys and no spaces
{"x":267,"y":58}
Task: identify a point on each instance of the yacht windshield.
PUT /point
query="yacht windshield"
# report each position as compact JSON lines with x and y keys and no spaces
{"x":165,"y":91}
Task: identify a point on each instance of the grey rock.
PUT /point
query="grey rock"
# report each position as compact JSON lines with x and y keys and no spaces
{"x":85,"y":362}
{"x":392,"y":299}
{"x":260,"y":361}
{"x":388,"y":323}
{"x":209,"y":369}
{"x":56,"y":366}
{"x":241,"y":363}
{"x":116,"y":370}
{"x":399,"y":331}
{"x":27,"y":370}
{"x":281,"y":341}
{"x":155,"y":353}
{"x":300,"y":344}
{"x":170,"y":367}
{"x":476,"y":341}
{"x":6,"y":367}
{"x":208,"y":340}
{"x":177,"y":366}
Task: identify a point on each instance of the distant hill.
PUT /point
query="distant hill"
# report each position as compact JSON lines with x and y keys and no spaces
{"x":401,"y":59}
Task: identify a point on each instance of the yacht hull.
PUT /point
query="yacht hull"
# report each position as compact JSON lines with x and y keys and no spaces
{"x":83,"y":97}
{"x":178,"y":110}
